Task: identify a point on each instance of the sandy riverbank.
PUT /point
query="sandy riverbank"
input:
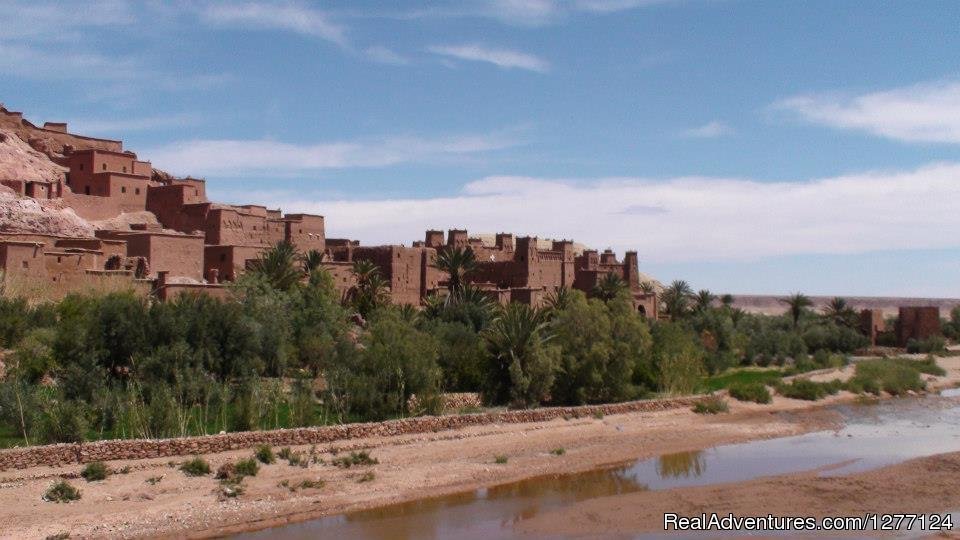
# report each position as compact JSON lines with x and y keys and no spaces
{"x":411,"y":467}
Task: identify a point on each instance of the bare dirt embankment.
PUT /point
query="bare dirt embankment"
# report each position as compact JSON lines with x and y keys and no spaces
{"x":410,"y":467}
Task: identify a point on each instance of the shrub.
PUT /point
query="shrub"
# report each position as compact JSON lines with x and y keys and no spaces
{"x":264,"y":454}
{"x":500,"y":460}
{"x":285,"y":453}
{"x":354,"y":459}
{"x":802,"y":388}
{"x":711,"y":405}
{"x":62,"y":492}
{"x":558,"y":451}
{"x":195,"y":467}
{"x":154,"y":480}
{"x":894,"y":376}
{"x":753,"y":391}
{"x":678,"y":357}
{"x":247,"y":467}
{"x":931,"y":344}
{"x":62,"y":421}
{"x":94,"y":471}
{"x":366,"y":477}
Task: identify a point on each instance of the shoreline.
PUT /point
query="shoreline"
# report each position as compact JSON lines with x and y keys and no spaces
{"x":412,"y":467}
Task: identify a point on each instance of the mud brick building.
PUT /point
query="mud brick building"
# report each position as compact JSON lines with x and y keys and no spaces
{"x":170,"y":234}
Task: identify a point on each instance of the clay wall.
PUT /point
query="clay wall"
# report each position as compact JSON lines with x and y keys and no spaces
{"x":229,"y":261}
{"x":305,"y":231}
{"x":22,"y":259}
{"x":52,"y":140}
{"x":178,"y":255}
{"x":65,"y":454}
{"x":70,"y":265}
{"x":872,"y":324}
{"x":917,"y":323}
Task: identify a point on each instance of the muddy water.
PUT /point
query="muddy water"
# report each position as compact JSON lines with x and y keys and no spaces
{"x":873,"y":436}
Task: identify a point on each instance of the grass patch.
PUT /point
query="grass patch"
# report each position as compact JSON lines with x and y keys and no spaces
{"x":558,"y":451}
{"x":58,"y":536}
{"x":246,"y":467}
{"x":94,"y":471}
{"x":355,"y":459}
{"x":598,"y":415}
{"x":500,"y":460}
{"x":896,"y":376}
{"x":711,"y":405}
{"x":366,"y":477}
{"x":62,"y":492}
{"x":740,"y":376}
{"x":750,"y":391}
{"x":195,"y":467}
{"x":154,"y":480}
{"x":264,"y":454}
{"x":809,"y":390}
{"x":303,"y":484}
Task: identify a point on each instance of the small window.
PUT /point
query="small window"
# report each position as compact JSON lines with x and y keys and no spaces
{"x":59,"y":259}
{"x":223,"y":257}
{"x":136,"y":191}
{"x":124,"y":168}
{"x":104,"y":166}
{"x":81,"y":166}
{"x":123,"y":189}
{"x":86,"y":190}
{"x":25,"y":264}
{"x":300,"y":231}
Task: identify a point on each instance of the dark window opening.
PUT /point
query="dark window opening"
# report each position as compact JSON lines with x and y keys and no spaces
{"x":81,"y":166}
{"x":123,"y":189}
{"x":137,"y":191}
{"x":223,"y":257}
{"x":104,"y":166}
{"x":86,"y":190}
{"x":25,"y":264}
{"x":124,"y":168}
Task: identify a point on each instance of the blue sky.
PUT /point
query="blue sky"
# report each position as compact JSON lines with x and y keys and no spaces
{"x":746,"y":146}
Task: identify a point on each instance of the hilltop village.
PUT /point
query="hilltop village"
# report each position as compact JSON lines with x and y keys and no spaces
{"x":161,"y":233}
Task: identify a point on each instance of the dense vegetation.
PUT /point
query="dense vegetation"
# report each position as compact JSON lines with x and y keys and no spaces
{"x":286,"y":350}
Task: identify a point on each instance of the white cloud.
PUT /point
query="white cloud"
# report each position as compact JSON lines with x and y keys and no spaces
{"x":684,"y":219}
{"x":530,"y":13}
{"x":503,"y":58}
{"x":59,"y":21}
{"x":709,"y":130}
{"x":928,"y":112}
{"x":272,"y":16}
{"x":386,"y":56}
{"x":256,"y":157}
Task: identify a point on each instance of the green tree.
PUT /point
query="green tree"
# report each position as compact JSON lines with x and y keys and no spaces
{"x":609,"y":287}
{"x":311,"y":260}
{"x":521,"y":364}
{"x":676,"y":299}
{"x":797,"y":305}
{"x":458,"y":263}
{"x":278,"y":265}
{"x":841,"y":313}
{"x":371,"y":290}
{"x":678,"y":357}
{"x":704,"y":300}
{"x":603,"y":344}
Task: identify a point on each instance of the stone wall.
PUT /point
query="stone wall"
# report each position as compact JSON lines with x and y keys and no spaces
{"x":63,"y":454}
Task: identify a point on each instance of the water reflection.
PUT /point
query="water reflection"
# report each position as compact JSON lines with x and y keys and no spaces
{"x":681,"y":465}
{"x":873,"y":436}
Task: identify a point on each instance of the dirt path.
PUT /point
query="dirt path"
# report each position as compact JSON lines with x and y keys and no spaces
{"x":410,"y":467}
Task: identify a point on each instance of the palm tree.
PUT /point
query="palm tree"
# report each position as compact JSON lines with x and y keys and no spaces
{"x":646,"y":287}
{"x":457,"y":263}
{"x":676,"y":298}
{"x":726,"y":300}
{"x":841,"y":313}
{"x":558,"y":300}
{"x":609,"y":286}
{"x":704,"y":299}
{"x":311,"y":260}
{"x":371,"y":290}
{"x":796,"y":303}
{"x":514,"y":341}
{"x":278,"y":266}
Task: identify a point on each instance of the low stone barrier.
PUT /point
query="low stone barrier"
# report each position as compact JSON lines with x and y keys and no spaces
{"x":63,"y":454}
